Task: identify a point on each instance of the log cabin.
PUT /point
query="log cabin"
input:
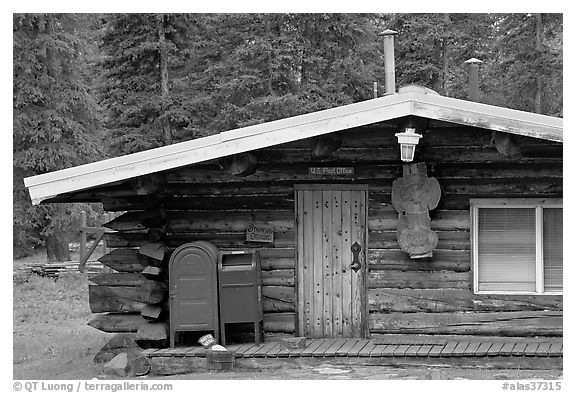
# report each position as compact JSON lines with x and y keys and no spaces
{"x":465,"y":240}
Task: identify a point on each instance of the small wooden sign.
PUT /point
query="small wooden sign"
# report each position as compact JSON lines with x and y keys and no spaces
{"x":260,"y":233}
{"x":337,"y":171}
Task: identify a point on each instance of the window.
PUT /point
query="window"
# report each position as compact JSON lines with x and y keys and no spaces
{"x":517,"y":246}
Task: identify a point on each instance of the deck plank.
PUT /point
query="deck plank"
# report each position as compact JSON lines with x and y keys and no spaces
{"x":449,"y":348}
{"x":412,"y":350}
{"x":319,"y":352}
{"x":311,"y":347}
{"x":531,"y":349}
{"x":436,"y":350}
{"x":460,"y":349}
{"x":331,"y":351}
{"x":555,"y":350}
{"x":472,"y":348}
{"x":495,"y":349}
{"x":358,"y":347}
{"x":401,"y":350}
{"x":507,"y":349}
{"x":424,"y":350}
{"x":367,"y":349}
{"x":389,"y":350}
{"x":251,"y":351}
{"x":519,"y":348}
{"x":376,"y":352}
{"x":483,"y":349}
{"x":345,"y":349}
{"x":543,"y":349}
{"x":261,"y":352}
{"x":196,"y":351}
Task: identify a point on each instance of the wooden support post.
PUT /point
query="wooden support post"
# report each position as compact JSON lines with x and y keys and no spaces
{"x":82,"y":235}
{"x":84,"y":258}
{"x":104,"y":248}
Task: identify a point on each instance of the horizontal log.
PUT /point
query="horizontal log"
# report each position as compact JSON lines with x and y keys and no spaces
{"x":117,"y":323}
{"x":442,"y":154}
{"x":280,"y":201}
{"x":418,"y":279}
{"x":455,"y":300}
{"x":447,"y":240}
{"x":277,"y":253}
{"x":283,"y":278}
{"x":386,"y":259}
{"x":219,"y":239}
{"x":477,"y":172}
{"x":279,"y":322}
{"x":124,"y":260}
{"x":119,"y":279}
{"x":137,"y":202}
{"x":194,"y":221}
{"x":277,"y":263}
{"x":516,"y":323}
{"x":278,"y":299}
{"x":114,"y":299}
{"x":382,"y":219}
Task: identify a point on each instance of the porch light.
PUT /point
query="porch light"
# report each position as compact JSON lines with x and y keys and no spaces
{"x":408,"y":141}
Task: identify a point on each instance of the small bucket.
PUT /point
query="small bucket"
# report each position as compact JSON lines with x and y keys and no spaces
{"x":207,"y":340}
{"x":220,"y":360}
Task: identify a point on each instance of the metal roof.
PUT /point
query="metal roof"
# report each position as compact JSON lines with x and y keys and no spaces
{"x":410,"y":100}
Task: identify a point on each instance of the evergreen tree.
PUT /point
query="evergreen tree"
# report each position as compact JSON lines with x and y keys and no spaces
{"x":529,"y":63}
{"x":139,"y":53}
{"x":54,"y":121}
{"x":249,"y":69}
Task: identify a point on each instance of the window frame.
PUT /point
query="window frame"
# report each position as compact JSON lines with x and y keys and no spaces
{"x":500,"y":203}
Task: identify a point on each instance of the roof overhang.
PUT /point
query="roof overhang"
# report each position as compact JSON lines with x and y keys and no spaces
{"x":408,"y":102}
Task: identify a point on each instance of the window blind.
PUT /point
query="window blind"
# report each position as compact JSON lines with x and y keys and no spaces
{"x":507,"y":249}
{"x":552,"y":249}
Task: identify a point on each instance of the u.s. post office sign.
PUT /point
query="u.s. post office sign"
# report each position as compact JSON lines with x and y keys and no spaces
{"x":260,"y":233}
{"x":337,"y":171}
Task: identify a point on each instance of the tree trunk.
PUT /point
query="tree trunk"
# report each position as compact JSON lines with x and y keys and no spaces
{"x":165,"y":122}
{"x":538,"y":98}
{"x":57,"y":247}
{"x":445,"y":56}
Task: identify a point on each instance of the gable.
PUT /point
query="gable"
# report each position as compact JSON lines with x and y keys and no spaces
{"x":411,"y":100}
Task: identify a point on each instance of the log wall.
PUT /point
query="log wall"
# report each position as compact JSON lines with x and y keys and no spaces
{"x":204,"y":202}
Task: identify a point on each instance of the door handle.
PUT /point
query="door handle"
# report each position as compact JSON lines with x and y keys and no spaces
{"x":356,"y":265}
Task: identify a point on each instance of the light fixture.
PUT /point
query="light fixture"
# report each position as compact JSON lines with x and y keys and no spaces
{"x":408,"y":141}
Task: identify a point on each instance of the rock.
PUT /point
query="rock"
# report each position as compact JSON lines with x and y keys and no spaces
{"x":123,"y":365}
{"x":123,"y":342}
{"x":118,"y":366}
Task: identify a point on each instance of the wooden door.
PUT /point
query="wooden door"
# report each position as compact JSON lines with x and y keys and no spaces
{"x":331,"y":295}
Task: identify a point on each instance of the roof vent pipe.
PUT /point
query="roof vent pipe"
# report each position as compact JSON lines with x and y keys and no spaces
{"x":473,"y":83}
{"x":389,"y":67}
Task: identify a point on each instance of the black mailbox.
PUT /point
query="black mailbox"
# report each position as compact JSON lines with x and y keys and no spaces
{"x":240,"y":290}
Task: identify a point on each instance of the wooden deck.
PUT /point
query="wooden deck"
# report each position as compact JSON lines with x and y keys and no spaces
{"x":378,"y":348}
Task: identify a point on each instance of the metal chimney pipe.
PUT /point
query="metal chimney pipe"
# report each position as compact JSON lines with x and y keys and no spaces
{"x":473,"y":81}
{"x":389,"y":67}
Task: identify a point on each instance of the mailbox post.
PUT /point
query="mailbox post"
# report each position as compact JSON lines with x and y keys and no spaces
{"x":240,"y":290}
